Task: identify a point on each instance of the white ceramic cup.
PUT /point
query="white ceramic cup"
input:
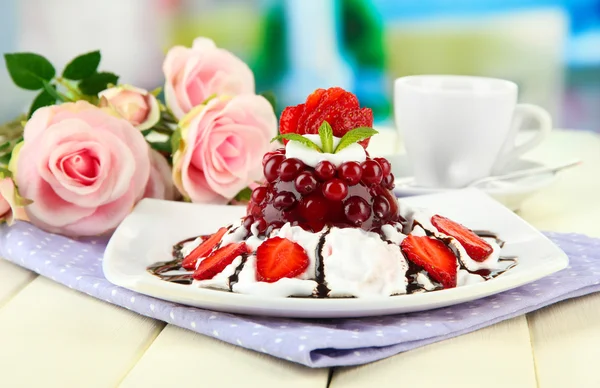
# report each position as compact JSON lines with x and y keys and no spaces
{"x":458,"y":129}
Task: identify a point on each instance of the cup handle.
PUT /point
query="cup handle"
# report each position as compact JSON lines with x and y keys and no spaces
{"x":510,"y":150}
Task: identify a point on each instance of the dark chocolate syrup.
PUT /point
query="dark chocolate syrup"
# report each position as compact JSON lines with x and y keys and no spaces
{"x":322,"y":290}
{"x":159,"y":269}
{"x":488,"y":234}
{"x":235,"y":277}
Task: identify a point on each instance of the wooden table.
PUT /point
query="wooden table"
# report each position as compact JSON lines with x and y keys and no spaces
{"x":51,"y":336}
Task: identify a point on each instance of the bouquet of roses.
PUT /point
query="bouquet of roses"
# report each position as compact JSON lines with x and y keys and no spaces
{"x":90,"y":148}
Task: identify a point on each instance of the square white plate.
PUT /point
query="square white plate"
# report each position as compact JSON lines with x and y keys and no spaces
{"x":149,"y":232}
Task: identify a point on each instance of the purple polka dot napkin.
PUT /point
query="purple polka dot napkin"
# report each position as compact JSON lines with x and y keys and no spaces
{"x":315,"y":343}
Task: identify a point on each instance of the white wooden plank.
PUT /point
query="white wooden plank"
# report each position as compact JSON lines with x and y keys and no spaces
{"x":497,"y":356}
{"x":181,"y":357}
{"x":12,"y":279}
{"x":566,"y":343}
{"x":51,"y":336}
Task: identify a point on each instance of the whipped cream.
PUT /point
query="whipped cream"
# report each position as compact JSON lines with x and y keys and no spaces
{"x":359,"y":263}
{"x":189,"y":247}
{"x":311,"y":157}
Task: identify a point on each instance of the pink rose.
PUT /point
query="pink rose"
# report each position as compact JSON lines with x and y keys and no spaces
{"x":160,"y":185}
{"x":194,"y":74}
{"x":135,"y":105}
{"x":11,"y":204}
{"x":83,"y":168}
{"x":222,"y":146}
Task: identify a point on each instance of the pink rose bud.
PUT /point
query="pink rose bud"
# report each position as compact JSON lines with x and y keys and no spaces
{"x":135,"y":105}
{"x":223,"y":145}
{"x":83,"y":168}
{"x":11,"y":204}
{"x":194,"y":74}
{"x":160,"y":184}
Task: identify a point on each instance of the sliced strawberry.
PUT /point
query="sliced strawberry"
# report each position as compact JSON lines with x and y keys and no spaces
{"x":278,"y":258}
{"x":477,"y":248}
{"x":434,"y":256}
{"x":189,"y":262}
{"x":218,"y":260}
{"x":288,"y":122}
{"x":353,"y":119}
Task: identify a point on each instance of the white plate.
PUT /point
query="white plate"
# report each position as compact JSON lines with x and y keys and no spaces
{"x":510,"y":193}
{"x":148,"y":233}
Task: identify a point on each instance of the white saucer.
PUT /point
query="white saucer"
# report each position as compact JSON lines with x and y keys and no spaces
{"x":510,"y":193}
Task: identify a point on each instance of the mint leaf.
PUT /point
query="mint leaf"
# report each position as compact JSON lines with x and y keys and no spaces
{"x":175,"y":140}
{"x":326,"y":135}
{"x":42,"y":99}
{"x":354,"y":136}
{"x":299,"y":139}
{"x":244,"y":195}
{"x":97,"y":82}
{"x":82,"y":66}
{"x":28,"y":70}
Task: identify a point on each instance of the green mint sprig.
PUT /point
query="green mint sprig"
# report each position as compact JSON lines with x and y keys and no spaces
{"x":326,"y":136}
{"x":80,"y":79}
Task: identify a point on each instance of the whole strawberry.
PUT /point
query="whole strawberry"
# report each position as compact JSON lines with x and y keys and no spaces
{"x":334,"y":105}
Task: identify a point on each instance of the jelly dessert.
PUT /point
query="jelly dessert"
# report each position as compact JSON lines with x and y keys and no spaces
{"x":325,"y":222}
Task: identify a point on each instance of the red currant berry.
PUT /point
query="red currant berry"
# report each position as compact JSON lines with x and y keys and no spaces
{"x":325,"y":170}
{"x":280,"y":150}
{"x":284,"y":200}
{"x":290,"y":168}
{"x":259,"y":194}
{"x":350,"y":172}
{"x":388,"y":181}
{"x":268,"y":156}
{"x":385,"y":166}
{"x":247,"y":222}
{"x":261,"y":225}
{"x":313,"y":207}
{"x":306,"y":182}
{"x":372,"y":173}
{"x":381,"y":207}
{"x":335,"y":189}
{"x":357,"y":210}
{"x":271,"y":169}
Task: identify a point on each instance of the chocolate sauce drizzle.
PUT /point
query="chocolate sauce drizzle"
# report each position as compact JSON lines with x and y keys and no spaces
{"x":159,"y":269}
{"x":322,"y":291}
{"x":235,"y":277}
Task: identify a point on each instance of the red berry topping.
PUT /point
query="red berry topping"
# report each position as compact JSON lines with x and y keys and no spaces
{"x":381,"y":206}
{"x":372,"y":173}
{"x":259,"y":195}
{"x":338,"y":107}
{"x":284,"y":200}
{"x":247,"y":222}
{"x":388,"y":181}
{"x":351,"y":172}
{"x":271,"y":168}
{"x":385,"y":166}
{"x":278,"y":258}
{"x":434,"y":256}
{"x":477,"y":248}
{"x":305,"y":182}
{"x":335,"y":190}
{"x":261,"y":225}
{"x":325,"y":170}
{"x":313,"y":208}
{"x":289,"y":169}
{"x":189,"y":262}
{"x":357,"y":210}
{"x":218,"y":260}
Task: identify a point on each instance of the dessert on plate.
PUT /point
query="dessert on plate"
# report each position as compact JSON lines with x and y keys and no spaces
{"x":325,"y":223}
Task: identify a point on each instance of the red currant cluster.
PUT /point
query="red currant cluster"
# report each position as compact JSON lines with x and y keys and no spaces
{"x":352,"y":195}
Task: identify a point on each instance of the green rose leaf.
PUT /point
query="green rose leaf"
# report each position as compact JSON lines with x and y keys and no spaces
{"x":51,"y":90}
{"x":270,"y":96}
{"x":28,"y":70}
{"x":354,"y":136}
{"x":83,"y":66}
{"x":299,"y":139}
{"x":244,"y":195}
{"x":5,"y":159}
{"x":97,"y":82}
{"x":175,"y":140}
{"x":161,"y":146}
{"x":326,"y":135}
{"x":42,"y":99}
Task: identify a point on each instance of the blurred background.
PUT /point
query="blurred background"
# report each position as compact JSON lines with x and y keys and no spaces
{"x":551,"y":48}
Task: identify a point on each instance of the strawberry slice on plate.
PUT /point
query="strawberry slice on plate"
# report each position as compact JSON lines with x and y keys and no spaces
{"x":207,"y":245}
{"x":476,"y":247}
{"x":434,"y":256}
{"x":218,"y":260}
{"x":278,"y":258}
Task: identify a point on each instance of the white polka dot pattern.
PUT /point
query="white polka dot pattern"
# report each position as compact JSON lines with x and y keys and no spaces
{"x":315,"y":343}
